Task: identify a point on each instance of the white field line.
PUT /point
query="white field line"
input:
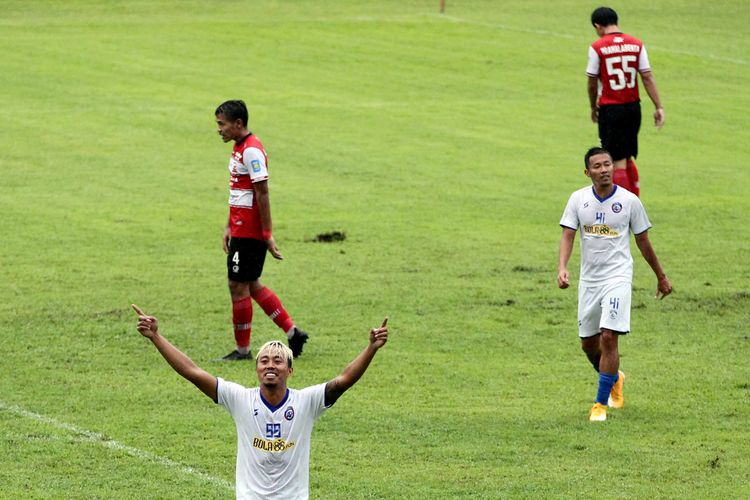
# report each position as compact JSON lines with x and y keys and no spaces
{"x":557,"y":34}
{"x":95,"y":437}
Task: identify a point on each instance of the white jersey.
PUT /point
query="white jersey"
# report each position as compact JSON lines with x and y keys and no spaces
{"x":273,"y":443}
{"x":605,"y":224}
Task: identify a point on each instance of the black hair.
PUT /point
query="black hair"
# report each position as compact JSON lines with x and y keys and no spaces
{"x":594,"y":151}
{"x":604,"y":16}
{"x":233,"y":110}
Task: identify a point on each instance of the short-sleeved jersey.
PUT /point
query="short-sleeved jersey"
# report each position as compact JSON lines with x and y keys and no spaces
{"x":273,"y":443}
{"x":248,"y":165}
{"x":616,"y":59}
{"x":605,"y":225}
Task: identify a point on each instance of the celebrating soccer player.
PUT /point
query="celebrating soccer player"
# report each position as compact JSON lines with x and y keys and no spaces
{"x":274,"y":423}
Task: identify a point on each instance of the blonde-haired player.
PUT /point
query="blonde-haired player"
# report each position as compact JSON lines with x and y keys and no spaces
{"x":274,"y":422}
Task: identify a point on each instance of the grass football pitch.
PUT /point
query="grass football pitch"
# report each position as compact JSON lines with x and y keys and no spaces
{"x":445,"y":147}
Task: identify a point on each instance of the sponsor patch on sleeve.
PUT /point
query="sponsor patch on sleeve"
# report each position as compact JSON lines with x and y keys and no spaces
{"x":255,"y":165}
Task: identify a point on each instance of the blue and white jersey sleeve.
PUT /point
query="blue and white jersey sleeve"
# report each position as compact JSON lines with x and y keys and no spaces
{"x":255,"y":161}
{"x":229,"y":395}
{"x":570,"y":215}
{"x":314,"y":398}
{"x":638,"y":219}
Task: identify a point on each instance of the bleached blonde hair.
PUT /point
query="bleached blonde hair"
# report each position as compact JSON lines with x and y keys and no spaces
{"x":275,"y":348}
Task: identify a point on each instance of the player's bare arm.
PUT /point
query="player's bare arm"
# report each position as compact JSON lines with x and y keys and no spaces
{"x":593,"y":82}
{"x":566,"y":249}
{"x":227,"y":237}
{"x":148,"y":326}
{"x":663,"y":285}
{"x":264,"y":209}
{"x":650,"y":85}
{"x":354,"y":371}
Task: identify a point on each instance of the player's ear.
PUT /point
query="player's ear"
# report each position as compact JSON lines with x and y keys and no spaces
{"x":586,"y":171}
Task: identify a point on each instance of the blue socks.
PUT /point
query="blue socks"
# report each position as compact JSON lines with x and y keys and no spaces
{"x":606,"y":381}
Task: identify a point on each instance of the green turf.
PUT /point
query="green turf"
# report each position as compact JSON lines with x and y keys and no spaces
{"x":445,"y":147}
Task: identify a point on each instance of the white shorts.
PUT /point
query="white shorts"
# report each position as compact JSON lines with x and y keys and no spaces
{"x":604,"y":306}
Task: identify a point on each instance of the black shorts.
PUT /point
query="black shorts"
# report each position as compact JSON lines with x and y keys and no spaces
{"x":245,"y":259}
{"x":618,"y":129}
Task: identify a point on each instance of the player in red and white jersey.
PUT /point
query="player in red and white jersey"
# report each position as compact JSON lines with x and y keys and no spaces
{"x":248,"y":236}
{"x":615,"y":59}
{"x":248,"y":166}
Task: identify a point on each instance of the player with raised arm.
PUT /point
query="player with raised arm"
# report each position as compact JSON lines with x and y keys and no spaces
{"x":273,"y":422}
{"x":614,"y":61}
{"x":248,"y":235}
{"x":606,"y":215}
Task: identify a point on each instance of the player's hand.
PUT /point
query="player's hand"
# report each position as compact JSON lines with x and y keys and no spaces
{"x":273,"y":249}
{"x":225,"y":240}
{"x":379,"y":336}
{"x":659,"y":117}
{"x":663,"y":288}
{"x":595,"y":114}
{"x":563,"y":279}
{"x":147,"y":325}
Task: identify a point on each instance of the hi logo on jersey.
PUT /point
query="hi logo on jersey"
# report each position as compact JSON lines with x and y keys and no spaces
{"x":614,"y":304}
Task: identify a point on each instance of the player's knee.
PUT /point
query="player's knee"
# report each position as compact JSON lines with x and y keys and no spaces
{"x":590,"y":346}
{"x":608,"y":340}
{"x":254,"y":287}
{"x":238,"y":289}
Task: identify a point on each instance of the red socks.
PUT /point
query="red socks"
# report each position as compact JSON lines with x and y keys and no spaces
{"x":633,"y":177}
{"x":242,"y":318}
{"x":621,"y":178}
{"x":242,"y":315}
{"x":270,"y":303}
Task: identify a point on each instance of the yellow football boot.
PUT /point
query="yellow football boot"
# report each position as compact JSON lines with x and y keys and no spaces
{"x":616,"y":399}
{"x":598,"y":413}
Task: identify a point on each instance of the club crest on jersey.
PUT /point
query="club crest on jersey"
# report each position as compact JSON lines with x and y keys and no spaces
{"x":617,"y":207}
{"x":255,"y":165}
{"x":289,"y":413}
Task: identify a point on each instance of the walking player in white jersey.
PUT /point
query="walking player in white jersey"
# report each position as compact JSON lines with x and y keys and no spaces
{"x":274,"y":423}
{"x":606,"y":215}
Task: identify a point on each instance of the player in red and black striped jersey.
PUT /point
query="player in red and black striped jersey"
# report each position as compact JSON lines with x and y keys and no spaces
{"x":247,"y":236}
{"x":614,"y":61}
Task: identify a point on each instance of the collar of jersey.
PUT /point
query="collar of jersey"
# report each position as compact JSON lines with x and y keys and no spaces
{"x":270,"y":406}
{"x":610,"y":195}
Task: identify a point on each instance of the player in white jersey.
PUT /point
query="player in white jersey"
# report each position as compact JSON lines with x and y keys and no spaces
{"x":274,"y":423}
{"x":606,"y":215}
